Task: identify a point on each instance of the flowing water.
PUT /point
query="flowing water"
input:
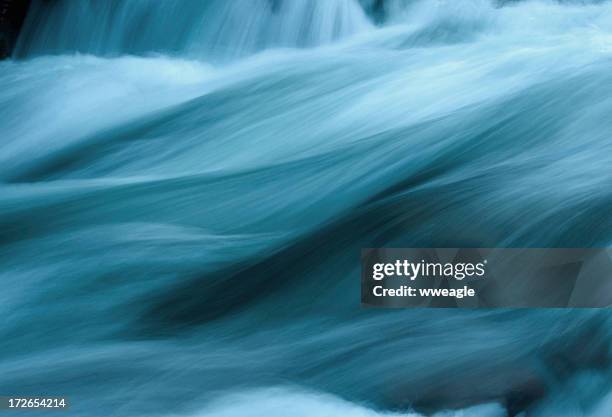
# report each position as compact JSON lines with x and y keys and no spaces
{"x":186,"y":185}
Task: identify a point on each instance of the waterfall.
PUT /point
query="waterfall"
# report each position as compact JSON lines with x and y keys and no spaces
{"x":213,"y":29}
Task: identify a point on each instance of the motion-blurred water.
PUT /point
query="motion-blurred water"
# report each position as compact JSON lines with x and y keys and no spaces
{"x":186,"y":186}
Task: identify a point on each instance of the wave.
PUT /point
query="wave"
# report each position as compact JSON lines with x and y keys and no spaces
{"x":275,"y":402}
{"x":184,"y":197}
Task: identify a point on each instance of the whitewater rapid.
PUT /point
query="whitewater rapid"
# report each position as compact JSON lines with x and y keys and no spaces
{"x":185,"y":188}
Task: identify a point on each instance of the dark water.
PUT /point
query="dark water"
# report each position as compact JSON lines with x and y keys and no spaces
{"x":186,"y":186}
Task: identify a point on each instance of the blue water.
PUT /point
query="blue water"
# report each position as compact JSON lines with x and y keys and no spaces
{"x":186,"y":185}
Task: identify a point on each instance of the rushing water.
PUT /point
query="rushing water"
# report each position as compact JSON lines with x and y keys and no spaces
{"x":186,"y":186}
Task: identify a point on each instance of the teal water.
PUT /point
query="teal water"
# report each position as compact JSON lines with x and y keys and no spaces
{"x":185,"y":188}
